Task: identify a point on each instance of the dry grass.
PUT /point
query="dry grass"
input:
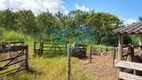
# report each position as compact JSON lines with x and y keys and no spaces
{"x":51,"y":69}
{"x":101,"y":67}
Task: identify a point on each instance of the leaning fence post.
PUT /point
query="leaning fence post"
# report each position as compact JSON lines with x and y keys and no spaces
{"x":68,"y":62}
{"x":26,"y":58}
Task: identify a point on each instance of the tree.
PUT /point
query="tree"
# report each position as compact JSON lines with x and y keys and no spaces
{"x":44,"y":22}
{"x":25,"y":21}
{"x":140,"y":18}
{"x":102,"y":24}
{"x":6,"y":19}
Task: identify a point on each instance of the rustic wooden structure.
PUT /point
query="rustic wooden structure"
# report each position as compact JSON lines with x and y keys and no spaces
{"x":49,"y":48}
{"x":133,"y":29}
{"x":18,"y":60}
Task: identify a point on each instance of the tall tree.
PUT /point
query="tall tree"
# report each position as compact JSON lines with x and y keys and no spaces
{"x":45,"y":23}
{"x":25,"y":21}
{"x":6,"y":19}
{"x":102,"y":24}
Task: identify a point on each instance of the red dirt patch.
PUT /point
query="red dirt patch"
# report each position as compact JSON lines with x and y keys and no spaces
{"x":101,"y":67}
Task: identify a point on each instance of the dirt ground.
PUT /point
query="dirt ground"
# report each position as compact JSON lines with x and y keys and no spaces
{"x":101,"y":67}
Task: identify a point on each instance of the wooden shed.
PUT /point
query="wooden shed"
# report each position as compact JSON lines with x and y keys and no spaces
{"x":132,"y":29}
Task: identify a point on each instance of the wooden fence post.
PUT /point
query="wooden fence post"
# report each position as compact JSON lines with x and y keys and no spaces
{"x":107,"y":49}
{"x":26,"y":58}
{"x":66,"y":47}
{"x":9,"y":46}
{"x":68,"y":62}
{"x":34,"y":48}
{"x":101,"y":49}
{"x":90,"y":56}
{"x":0,"y":45}
{"x":41,"y":47}
{"x":114,"y":50}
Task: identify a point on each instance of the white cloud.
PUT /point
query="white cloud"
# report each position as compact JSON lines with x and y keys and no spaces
{"x":83,"y":8}
{"x":129,"y":21}
{"x":36,"y":6}
{"x":66,"y":12}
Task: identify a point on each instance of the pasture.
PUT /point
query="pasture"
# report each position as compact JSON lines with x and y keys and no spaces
{"x":54,"y":68}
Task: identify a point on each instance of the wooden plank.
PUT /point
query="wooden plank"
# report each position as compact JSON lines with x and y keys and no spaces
{"x":11,"y":58}
{"x":129,"y":65}
{"x":16,"y":42}
{"x":12,"y":49}
{"x":62,"y":46}
{"x":54,"y":50}
{"x":47,"y":46}
{"x":127,"y":76}
{"x":47,"y":43}
{"x":14,"y":63}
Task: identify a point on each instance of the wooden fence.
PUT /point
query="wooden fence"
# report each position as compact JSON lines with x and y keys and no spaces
{"x":49,"y":48}
{"x":102,"y":49}
{"x":94,"y":51}
{"x":13,"y":57}
{"x":129,"y":65}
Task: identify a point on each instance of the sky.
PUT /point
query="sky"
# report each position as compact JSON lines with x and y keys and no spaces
{"x":126,"y":10}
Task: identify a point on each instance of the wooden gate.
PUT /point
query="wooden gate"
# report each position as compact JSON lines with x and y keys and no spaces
{"x":13,"y":57}
{"x":49,"y":48}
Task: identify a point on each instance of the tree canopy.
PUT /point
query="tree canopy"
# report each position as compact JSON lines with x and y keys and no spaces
{"x":83,"y":27}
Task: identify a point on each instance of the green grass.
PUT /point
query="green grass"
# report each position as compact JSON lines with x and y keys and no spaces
{"x":12,"y":35}
{"x":42,"y":68}
{"x":50,"y":69}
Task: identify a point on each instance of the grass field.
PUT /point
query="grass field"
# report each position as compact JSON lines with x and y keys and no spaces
{"x":42,"y":68}
{"x":51,"y":69}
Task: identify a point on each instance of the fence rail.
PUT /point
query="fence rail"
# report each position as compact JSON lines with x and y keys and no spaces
{"x":128,"y":65}
{"x":13,"y":58}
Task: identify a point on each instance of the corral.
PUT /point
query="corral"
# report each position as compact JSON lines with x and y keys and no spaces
{"x":129,"y":69}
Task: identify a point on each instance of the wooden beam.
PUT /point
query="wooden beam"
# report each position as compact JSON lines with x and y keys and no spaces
{"x":127,"y":76}
{"x":140,"y":43}
{"x":120,"y":46}
{"x":12,"y":49}
{"x":120,"y":51}
{"x":129,"y":65}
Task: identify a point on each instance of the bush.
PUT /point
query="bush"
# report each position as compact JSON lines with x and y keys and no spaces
{"x":17,"y":36}
{"x":135,"y":40}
